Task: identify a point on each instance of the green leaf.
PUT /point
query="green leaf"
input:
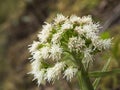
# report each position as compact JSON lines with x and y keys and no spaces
{"x":97,"y":74}
{"x":97,"y":80}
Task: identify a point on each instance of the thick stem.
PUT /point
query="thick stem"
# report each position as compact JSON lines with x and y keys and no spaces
{"x":84,"y":80}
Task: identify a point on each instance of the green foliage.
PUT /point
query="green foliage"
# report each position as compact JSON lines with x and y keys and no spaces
{"x":97,"y":74}
{"x":97,"y":80}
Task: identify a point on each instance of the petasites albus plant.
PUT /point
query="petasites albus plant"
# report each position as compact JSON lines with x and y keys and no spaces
{"x":65,"y":48}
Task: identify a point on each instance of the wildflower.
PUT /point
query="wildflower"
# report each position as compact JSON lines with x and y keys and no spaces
{"x":60,"y":18}
{"x":40,"y":76}
{"x":70,"y":72}
{"x":37,"y":55}
{"x":75,"y":44}
{"x":79,"y":30}
{"x":55,"y":52}
{"x":45,"y":33}
{"x":60,"y":43}
{"x":35,"y":64}
{"x":106,"y":43}
{"x":45,"y":52}
{"x":34,"y":46}
{"x":87,"y":56}
{"x":86,"y":19}
{"x":54,"y":72}
{"x":74,"y":19}
{"x":56,"y":37}
{"x":67,"y":25}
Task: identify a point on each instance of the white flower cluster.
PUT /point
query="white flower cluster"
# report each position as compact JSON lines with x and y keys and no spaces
{"x":77,"y":36}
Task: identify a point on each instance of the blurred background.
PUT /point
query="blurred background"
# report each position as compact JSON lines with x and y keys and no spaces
{"x":20,"y":21}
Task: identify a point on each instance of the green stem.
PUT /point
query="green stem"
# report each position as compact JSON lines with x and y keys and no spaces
{"x":84,"y":80}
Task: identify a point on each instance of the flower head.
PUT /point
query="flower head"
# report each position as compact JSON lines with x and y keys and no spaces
{"x":70,"y":72}
{"x":45,"y":33}
{"x":45,"y":52}
{"x":34,"y":46}
{"x":54,"y":72}
{"x":60,"y":18}
{"x":67,"y":25}
{"x":55,"y":52}
{"x":74,"y":19}
{"x":62,"y":42}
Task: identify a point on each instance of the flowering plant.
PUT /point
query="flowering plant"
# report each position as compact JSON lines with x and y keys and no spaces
{"x":66,"y":48}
